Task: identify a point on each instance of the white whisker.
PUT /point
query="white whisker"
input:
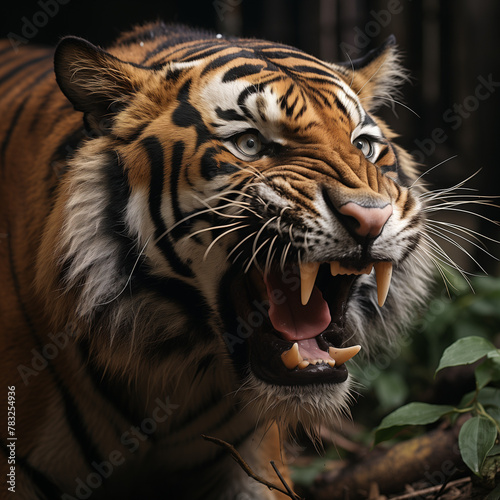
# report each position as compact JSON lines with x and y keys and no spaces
{"x":390,"y":99}
{"x":240,"y":243}
{"x":254,"y":255}
{"x":219,"y":237}
{"x":430,"y":170}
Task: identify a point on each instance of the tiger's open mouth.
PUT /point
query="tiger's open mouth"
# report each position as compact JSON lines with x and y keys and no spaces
{"x":301,"y":338}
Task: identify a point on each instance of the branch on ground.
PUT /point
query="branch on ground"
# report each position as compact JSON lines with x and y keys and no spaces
{"x":433,"y":456}
{"x":247,"y":469}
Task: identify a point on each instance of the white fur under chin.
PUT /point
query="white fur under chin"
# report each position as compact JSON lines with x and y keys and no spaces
{"x":310,"y":405}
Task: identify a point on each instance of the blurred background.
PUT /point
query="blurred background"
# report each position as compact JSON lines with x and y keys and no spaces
{"x":448,"y":115}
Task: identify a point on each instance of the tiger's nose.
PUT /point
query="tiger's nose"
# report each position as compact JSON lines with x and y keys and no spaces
{"x":368,"y":221}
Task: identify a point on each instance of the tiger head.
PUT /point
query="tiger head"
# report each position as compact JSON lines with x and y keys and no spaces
{"x":237,"y":209}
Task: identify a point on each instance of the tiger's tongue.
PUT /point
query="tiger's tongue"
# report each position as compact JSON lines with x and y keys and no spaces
{"x":287,"y":314}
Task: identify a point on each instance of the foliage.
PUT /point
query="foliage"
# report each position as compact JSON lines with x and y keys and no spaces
{"x":406,"y":371}
{"x":478,"y":434}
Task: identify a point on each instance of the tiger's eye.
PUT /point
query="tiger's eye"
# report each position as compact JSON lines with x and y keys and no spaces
{"x":249,"y":144}
{"x":365,"y":145}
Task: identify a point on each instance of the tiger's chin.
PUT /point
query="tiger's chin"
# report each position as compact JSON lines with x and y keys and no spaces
{"x":311,"y":406}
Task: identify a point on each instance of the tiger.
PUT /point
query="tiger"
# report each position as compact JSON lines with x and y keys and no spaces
{"x":198,"y":233}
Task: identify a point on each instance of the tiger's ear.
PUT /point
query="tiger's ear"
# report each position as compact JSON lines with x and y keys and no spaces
{"x":95,"y":82}
{"x":377,"y":76}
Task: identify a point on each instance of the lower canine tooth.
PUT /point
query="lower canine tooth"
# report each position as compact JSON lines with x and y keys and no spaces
{"x":341,"y":355}
{"x":292,"y":357}
{"x":383,"y":273}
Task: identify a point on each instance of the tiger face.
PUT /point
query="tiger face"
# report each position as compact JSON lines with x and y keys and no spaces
{"x":253,"y":215}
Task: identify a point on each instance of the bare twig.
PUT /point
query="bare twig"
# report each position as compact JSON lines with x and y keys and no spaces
{"x":432,"y":489}
{"x":293,"y":496}
{"x":247,"y":469}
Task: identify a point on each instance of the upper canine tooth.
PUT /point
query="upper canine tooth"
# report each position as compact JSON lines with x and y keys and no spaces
{"x":341,"y":355}
{"x":292,"y":357}
{"x":383,"y":272}
{"x":308,"y":273}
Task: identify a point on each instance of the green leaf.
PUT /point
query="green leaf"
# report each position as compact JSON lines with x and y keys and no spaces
{"x":410,"y":414}
{"x":495,"y":450}
{"x":489,"y":396}
{"x":488,"y":371}
{"x":494,"y":355}
{"x":467,"y":400}
{"x":495,"y":413}
{"x":465,"y":351}
{"x":476,"y":438}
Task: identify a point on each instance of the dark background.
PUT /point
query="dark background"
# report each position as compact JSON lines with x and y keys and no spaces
{"x":450,"y":47}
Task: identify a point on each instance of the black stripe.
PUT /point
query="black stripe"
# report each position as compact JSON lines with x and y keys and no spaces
{"x":186,"y":115}
{"x":216,"y":399}
{"x":155,"y":153}
{"x":108,"y":390}
{"x":211,"y":168}
{"x":26,"y":64}
{"x":46,"y":489}
{"x":17,"y":114}
{"x":307,"y":70}
{"x":175,"y":172}
{"x":413,"y":242}
{"x":118,"y":193}
{"x":204,"y":364}
{"x":60,"y":158}
{"x":244,"y":94}
{"x":6,"y":49}
{"x":205,"y":50}
{"x":15,"y":280}
{"x":132,"y":136}
{"x":382,"y":155}
{"x":340,"y":106}
{"x":186,"y":297}
{"x":222,"y":60}
{"x":12,"y":125}
{"x":275,"y":52}
{"x":41,"y":111}
{"x":229,"y":115}
{"x":241,"y":71}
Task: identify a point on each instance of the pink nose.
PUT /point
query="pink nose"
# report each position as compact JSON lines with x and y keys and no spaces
{"x":370,"y":220}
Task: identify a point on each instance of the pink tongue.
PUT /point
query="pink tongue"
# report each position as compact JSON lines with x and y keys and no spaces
{"x":286,"y":312}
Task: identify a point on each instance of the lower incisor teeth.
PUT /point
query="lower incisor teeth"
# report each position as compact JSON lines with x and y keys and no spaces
{"x":336,"y":268}
{"x":341,"y":355}
{"x":293,"y":359}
